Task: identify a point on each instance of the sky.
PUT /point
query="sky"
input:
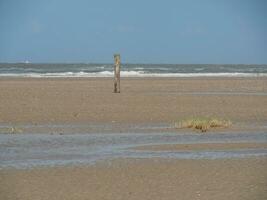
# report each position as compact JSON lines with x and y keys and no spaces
{"x":142,"y":31}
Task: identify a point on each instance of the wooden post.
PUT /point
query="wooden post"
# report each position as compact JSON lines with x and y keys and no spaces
{"x":117,"y":66}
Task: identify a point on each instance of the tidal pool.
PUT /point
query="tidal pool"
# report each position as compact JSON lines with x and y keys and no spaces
{"x":34,"y":150}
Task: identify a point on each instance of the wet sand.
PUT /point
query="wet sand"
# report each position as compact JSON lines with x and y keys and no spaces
{"x":141,"y":101}
{"x":41,"y":150}
{"x":235,"y":179}
{"x":203,"y":147}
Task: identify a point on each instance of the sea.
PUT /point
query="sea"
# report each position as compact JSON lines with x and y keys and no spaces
{"x":42,"y":70}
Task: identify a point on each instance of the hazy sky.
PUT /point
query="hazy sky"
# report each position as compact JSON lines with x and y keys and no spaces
{"x":142,"y":31}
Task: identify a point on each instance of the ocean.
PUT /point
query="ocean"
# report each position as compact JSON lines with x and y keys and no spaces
{"x":130,"y":70}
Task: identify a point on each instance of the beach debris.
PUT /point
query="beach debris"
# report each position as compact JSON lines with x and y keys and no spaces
{"x":75,"y":114}
{"x":14,"y":130}
{"x":202,"y":123}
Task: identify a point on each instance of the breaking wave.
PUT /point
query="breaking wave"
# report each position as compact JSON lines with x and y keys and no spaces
{"x":129,"y":74}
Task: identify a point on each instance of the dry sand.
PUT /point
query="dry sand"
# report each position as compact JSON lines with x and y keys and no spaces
{"x":237,"y":179}
{"x":142,"y":100}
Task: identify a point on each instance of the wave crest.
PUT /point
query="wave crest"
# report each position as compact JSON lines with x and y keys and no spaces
{"x":130,"y":74}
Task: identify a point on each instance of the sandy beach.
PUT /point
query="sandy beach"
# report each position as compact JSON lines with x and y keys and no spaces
{"x":133,"y":100}
{"x":236,"y":179}
{"x":142,"y":100}
{"x":89,"y":104}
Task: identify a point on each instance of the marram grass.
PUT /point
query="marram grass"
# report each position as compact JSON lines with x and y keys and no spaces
{"x":203,"y":124}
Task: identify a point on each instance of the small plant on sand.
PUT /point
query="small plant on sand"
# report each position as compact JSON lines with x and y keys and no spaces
{"x":203,"y":124}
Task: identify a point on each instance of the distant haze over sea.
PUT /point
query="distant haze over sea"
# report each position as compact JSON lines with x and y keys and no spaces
{"x":130,"y":70}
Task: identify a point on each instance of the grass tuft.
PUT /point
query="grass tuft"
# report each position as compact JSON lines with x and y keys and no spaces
{"x":203,"y":124}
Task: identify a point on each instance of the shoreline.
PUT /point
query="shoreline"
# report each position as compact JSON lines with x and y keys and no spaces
{"x":136,"y":77}
{"x":135,"y":74}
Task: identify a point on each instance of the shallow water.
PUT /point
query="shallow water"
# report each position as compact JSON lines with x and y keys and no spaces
{"x":32,"y":150}
{"x":130,"y":70}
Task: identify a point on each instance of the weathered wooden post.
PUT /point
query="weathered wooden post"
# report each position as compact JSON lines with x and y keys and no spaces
{"x":117,"y":66}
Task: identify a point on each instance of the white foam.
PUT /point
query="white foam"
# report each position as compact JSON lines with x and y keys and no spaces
{"x":130,"y":74}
